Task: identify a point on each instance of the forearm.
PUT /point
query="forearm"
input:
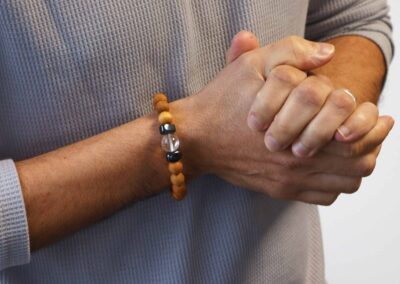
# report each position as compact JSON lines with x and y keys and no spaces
{"x":74,"y":186}
{"x":358,"y":65}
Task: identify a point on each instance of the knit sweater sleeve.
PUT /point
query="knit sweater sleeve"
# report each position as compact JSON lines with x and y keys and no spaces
{"x":368,"y":18}
{"x":14,"y":237}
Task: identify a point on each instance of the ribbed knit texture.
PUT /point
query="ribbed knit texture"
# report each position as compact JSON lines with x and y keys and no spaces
{"x":14,"y":242}
{"x":70,"y":69}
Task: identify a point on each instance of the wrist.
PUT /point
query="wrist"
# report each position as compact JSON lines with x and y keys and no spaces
{"x":189,"y":129}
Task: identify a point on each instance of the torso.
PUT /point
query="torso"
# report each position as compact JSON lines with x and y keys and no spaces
{"x":71,"y":69}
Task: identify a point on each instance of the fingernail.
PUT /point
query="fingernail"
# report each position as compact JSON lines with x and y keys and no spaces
{"x":350,"y":94}
{"x":344,"y":131}
{"x":272,"y":144}
{"x":324,"y":50}
{"x":300,"y":150}
{"x":253,"y":122}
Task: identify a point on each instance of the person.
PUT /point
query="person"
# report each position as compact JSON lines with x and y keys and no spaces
{"x":267,"y":132}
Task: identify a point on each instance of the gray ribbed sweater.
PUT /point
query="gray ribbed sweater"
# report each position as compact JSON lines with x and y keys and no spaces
{"x":71,"y":69}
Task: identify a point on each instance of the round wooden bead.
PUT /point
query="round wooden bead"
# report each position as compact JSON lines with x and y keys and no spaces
{"x":175,"y":168}
{"x":178,"y":179}
{"x":162,"y":106}
{"x":165,"y":117}
{"x":159,"y":97}
{"x":178,"y":192}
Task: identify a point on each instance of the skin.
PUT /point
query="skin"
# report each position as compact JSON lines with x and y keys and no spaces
{"x":74,"y":186}
{"x":361,"y":130}
{"x":306,"y":112}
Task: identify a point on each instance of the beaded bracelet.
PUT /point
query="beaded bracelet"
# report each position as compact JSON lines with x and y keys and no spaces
{"x":170,"y":144}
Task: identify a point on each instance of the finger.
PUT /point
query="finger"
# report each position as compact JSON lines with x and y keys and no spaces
{"x":366,"y":144}
{"x":338,"y":107}
{"x":362,"y":166}
{"x":332,"y":183}
{"x":242,"y":42}
{"x":281,"y":81}
{"x":295,"y":51}
{"x":304,"y":102}
{"x":318,"y":198}
{"x":358,"y":124}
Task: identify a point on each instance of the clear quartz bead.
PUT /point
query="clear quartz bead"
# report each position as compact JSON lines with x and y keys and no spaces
{"x":170,"y":143}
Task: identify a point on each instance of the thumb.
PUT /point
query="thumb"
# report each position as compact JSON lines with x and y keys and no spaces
{"x":294,"y":51}
{"x":242,"y":42}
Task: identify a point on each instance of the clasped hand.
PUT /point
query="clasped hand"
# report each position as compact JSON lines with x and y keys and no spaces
{"x":274,"y":128}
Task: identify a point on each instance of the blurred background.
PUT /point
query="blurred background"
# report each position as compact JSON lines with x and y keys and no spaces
{"x":361,"y":232}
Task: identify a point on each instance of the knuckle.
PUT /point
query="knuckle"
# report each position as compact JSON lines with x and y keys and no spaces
{"x":355,"y":185}
{"x":347,"y":151}
{"x":310,"y":95}
{"x":291,"y":163}
{"x":329,"y":201}
{"x":362,"y":119}
{"x":297,"y":48}
{"x":280,"y":126}
{"x":324,"y":80}
{"x":246,"y":59}
{"x":352,"y":150}
{"x":259,"y":106}
{"x":261,"y":111}
{"x":285,"y":75}
{"x":294,"y":38}
{"x":371,"y":108}
{"x":374,"y":111}
{"x":294,"y":41}
{"x":319,"y":136}
{"x":342,"y":101}
{"x":367,"y":166}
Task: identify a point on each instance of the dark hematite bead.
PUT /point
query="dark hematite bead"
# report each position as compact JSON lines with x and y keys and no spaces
{"x":167,"y":129}
{"x":173,"y":157}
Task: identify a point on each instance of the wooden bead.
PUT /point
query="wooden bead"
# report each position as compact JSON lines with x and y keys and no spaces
{"x":165,"y":117}
{"x":159,"y":97}
{"x":178,"y":179}
{"x":175,"y":168}
{"x":178,"y":192}
{"x":162,"y":106}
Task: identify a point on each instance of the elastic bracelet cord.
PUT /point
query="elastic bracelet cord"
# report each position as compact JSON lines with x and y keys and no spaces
{"x":170,"y":144}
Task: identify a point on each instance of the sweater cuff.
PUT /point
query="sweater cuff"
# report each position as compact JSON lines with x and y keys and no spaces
{"x":14,"y":235}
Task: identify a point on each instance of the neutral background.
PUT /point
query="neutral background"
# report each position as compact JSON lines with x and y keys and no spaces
{"x":361,"y":232}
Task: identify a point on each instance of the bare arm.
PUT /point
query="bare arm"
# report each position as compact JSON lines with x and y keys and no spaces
{"x":79,"y":184}
{"x":358,"y":65}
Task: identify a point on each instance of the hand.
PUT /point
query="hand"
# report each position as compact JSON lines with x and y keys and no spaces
{"x":323,"y":126}
{"x":214,"y":125}
{"x":370,"y":141}
{"x":298,"y":109}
